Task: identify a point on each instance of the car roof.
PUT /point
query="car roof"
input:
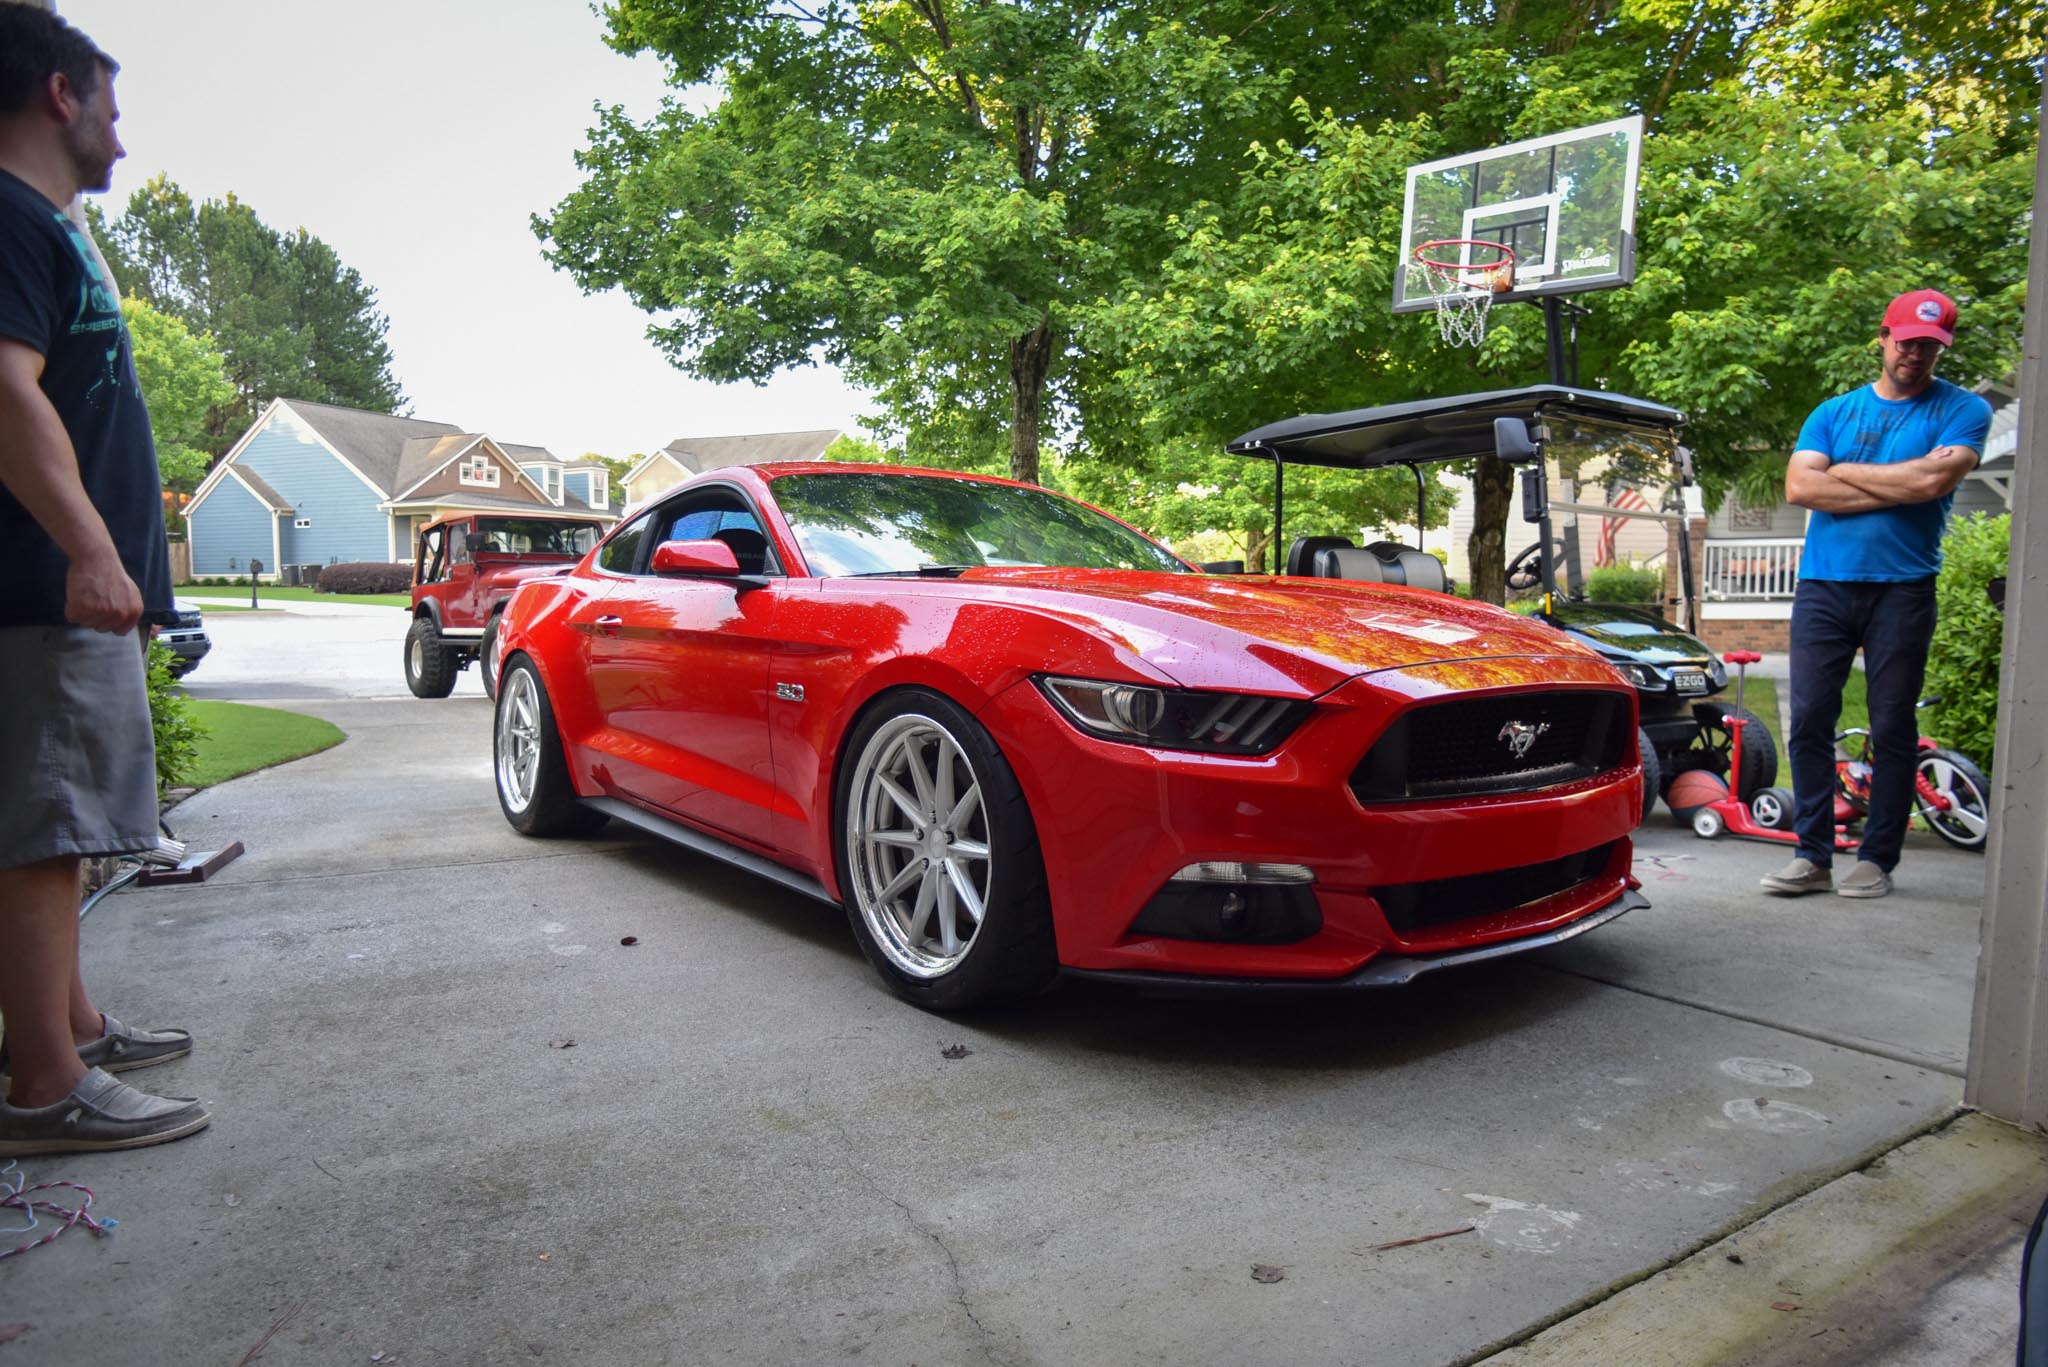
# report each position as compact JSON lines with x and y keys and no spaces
{"x":1453,"y":428}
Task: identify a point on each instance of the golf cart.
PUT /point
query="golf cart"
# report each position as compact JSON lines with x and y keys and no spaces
{"x":1676,"y":675}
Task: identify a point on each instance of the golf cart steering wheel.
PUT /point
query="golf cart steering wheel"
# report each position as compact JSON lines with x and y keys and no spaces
{"x":1525,"y":571}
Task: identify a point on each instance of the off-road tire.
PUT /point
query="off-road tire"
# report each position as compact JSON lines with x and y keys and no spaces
{"x":429,"y":662}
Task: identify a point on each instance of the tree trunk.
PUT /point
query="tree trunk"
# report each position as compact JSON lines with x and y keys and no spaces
{"x":1493,"y":483}
{"x":1030,"y":357}
{"x":1255,"y":549}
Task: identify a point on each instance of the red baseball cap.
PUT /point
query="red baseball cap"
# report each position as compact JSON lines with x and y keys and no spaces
{"x":1923,"y":313}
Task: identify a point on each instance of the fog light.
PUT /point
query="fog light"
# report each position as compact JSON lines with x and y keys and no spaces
{"x":1234,"y":903}
{"x":1231,"y":871}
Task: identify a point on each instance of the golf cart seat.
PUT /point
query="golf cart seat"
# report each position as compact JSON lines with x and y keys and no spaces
{"x":1383,"y":562}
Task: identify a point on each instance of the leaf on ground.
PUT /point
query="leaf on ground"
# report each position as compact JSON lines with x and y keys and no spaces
{"x":1783,"y":1305}
{"x":629,"y":939}
{"x":11,"y":1332}
{"x":955,"y":1051}
{"x":561,"y":1044}
{"x":1267,"y":1272}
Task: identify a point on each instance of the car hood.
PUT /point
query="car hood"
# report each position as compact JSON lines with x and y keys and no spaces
{"x":1640,"y":636}
{"x":511,"y":570}
{"x":1265,"y":633}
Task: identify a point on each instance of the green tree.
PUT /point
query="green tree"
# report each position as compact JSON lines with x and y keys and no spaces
{"x":183,"y":378}
{"x":1804,"y":163}
{"x":916,"y":192}
{"x":288,"y":316}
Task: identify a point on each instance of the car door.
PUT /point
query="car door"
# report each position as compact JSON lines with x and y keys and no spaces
{"x":679,"y":675}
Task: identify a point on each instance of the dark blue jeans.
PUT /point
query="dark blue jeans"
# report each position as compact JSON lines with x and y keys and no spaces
{"x":1892,"y":624}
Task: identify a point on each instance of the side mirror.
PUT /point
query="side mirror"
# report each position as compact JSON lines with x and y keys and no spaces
{"x":1512,"y":443}
{"x":1535,"y":494}
{"x":473,"y":541}
{"x":708,"y":558}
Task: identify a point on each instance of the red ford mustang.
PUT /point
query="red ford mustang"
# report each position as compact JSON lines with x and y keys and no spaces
{"x":1013,"y":736}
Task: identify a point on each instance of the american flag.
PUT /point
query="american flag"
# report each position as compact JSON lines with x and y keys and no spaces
{"x":1619,"y":496}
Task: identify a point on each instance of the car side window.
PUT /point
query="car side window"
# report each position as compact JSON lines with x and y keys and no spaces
{"x":434,"y":556}
{"x":458,"y":544}
{"x":621,"y":554}
{"x":721,"y":515}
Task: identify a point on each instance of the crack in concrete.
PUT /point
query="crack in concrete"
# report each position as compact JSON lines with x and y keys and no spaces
{"x":930,"y":1231}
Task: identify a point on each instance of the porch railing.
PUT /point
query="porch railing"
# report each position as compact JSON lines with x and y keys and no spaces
{"x":1759,"y":570}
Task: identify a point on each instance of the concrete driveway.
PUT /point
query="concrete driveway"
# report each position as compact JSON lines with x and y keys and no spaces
{"x":461,"y":1120}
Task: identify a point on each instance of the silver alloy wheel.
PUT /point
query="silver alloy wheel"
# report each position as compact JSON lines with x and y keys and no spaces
{"x":416,"y":656}
{"x":917,"y":846}
{"x":518,"y":741}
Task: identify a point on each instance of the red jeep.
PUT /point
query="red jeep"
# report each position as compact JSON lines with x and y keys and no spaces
{"x":463,"y":572}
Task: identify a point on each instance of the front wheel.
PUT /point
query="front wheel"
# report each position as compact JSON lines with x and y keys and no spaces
{"x":938,"y":858}
{"x":1954,"y":798}
{"x":1708,"y":823}
{"x":534,"y":790}
{"x":429,"y":664}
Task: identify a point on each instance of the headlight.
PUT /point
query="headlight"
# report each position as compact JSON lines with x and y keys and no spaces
{"x":1642,"y":676}
{"x":1173,"y":718}
{"x":1717,"y":671}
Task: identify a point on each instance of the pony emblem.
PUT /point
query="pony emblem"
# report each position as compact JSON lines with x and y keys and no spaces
{"x":1520,"y":736}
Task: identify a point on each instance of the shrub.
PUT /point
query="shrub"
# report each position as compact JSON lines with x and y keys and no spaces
{"x":1969,"y":635}
{"x":170,"y":716}
{"x":365,"y":576}
{"x":1624,"y":584}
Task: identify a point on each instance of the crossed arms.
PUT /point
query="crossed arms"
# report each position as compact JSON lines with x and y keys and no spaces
{"x":1812,"y":481}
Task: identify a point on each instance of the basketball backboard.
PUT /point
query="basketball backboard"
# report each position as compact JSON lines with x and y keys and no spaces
{"x":1564,"y":204}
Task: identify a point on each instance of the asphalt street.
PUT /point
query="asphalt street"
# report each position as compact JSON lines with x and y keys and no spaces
{"x":484,"y":1099}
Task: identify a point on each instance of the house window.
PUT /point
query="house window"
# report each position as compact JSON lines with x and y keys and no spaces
{"x":479,"y":471}
{"x":600,"y":490}
{"x":302,"y":522}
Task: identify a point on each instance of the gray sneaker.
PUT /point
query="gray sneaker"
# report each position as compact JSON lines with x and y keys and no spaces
{"x":121,"y":1048}
{"x":1798,"y":878}
{"x":102,"y":1112}
{"x":1865,"y":880}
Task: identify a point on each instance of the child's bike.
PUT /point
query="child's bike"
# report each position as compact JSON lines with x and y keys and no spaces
{"x":1950,"y":793}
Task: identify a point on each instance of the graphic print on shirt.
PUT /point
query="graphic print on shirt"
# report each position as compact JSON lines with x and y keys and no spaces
{"x":99,"y":313}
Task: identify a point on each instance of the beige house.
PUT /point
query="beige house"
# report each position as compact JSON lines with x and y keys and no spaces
{"x":687,"y":456}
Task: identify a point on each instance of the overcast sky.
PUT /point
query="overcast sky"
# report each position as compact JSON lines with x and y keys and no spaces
{"x":415,"y":137}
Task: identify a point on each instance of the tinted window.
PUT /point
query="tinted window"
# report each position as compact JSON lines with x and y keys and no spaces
{"x":621,"y":554}
{"x":536,"y":536}
{"x":896,"y":524}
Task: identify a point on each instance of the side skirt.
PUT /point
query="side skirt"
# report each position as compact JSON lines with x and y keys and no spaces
{"x":677,"y":833}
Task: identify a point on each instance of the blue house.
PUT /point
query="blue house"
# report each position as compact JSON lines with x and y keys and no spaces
{"x":314,"y":484}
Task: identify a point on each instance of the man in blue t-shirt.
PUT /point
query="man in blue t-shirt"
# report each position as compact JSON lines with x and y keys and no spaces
{"x":1878,"y":467}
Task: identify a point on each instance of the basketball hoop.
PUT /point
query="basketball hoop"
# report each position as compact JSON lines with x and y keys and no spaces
{"x":1463,"y":288}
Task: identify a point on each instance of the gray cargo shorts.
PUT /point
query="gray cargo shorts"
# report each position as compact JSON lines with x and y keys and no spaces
{"x":77,"y":752}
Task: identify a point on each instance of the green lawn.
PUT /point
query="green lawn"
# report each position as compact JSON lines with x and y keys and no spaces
{"x":240,"y":739}
{"x":1761,"y":697}
{"x":271,"y":593}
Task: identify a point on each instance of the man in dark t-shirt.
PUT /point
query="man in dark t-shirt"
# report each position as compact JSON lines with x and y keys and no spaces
{"x":81,"y":519}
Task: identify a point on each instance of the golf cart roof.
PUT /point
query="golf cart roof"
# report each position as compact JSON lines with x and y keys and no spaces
{"x":1453,"y":428}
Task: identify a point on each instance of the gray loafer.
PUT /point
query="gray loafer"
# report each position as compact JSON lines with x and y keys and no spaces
{"x":122,"y":1048}
{"x":102,"y":1112}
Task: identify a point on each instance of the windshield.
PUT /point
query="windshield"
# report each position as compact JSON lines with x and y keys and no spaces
{"x":858,"y":523}
{"x":534,"y":536}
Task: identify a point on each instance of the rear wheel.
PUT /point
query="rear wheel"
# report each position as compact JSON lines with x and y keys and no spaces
{"x":1965,"y":822}
{"x":534,"y":790}
{"x":490,"y":656}
{"x":429,"y":664}
{"x":1772,"y":809}
{"x":939,"y":860}
{"x":1708,"y":823}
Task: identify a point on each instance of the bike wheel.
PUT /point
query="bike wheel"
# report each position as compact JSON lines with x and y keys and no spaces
{"x":1954,"y":798}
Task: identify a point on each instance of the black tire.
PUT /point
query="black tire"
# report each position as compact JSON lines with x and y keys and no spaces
{"x":488,"y":664}
{"x":1772,"y":809}
{"x":429,"y":663}
{"x":1759,"y":750}
{"x":1653,"y":772}
{"x":1967,"y":823}
{"x":527,"y":765}
{"x":925,"y":744}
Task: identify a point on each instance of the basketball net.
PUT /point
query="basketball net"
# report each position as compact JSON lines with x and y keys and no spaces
{"x":1463,"y":289}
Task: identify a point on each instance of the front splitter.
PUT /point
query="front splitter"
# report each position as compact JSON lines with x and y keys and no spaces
{"x":1387,"y":970}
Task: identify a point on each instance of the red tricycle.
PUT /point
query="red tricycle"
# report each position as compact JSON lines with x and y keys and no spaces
{"x":1768,"y":815}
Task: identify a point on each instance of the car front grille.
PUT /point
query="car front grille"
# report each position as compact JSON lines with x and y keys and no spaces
{"x":1418,"y":906}
{"x":1466,"y":747}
